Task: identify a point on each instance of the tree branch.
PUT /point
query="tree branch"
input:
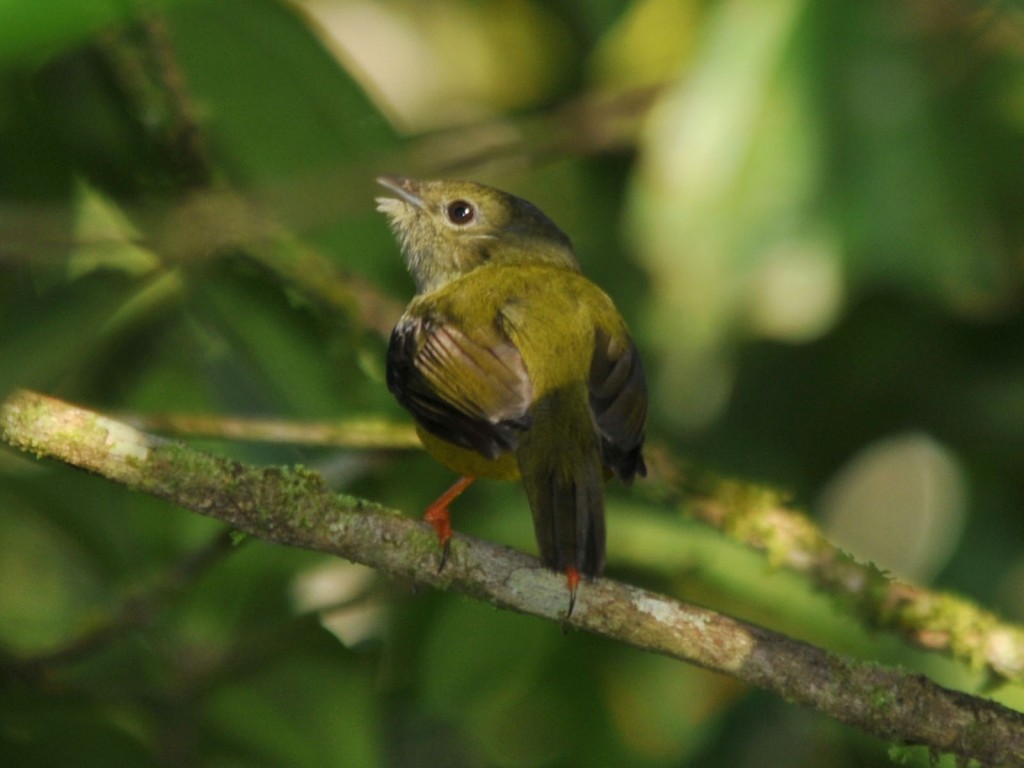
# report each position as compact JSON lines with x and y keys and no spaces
{"x":755,"y":516}
{"x":759,"y":517}
{"x":293,"y":507}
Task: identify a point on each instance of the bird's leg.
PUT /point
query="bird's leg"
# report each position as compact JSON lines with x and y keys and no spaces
{"x":572,"y":580}
{"x":437,"y":515}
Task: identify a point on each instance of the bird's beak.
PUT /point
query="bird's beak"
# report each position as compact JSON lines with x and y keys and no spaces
{"x":406,"y":189}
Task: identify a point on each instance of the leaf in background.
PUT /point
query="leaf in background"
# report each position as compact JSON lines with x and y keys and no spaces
{"x":917,"y":146}
{"x":48,"y":337}
{"x":105,"y":239}
{"x":647,"y":45}
{"x":451,"y":62}
{"x":49,"y":588}
{"x":771,"y":189}
{"x":727,"y":172}
{"x":303,"y":708}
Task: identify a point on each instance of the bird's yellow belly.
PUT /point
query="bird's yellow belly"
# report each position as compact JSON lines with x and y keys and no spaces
{"x":467,"y":462}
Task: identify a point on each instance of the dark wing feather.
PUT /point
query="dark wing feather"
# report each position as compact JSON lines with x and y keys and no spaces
{"x":618,"y":398}
{"x":469,"y":389}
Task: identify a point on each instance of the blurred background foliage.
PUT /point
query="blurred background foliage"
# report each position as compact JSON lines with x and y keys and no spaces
{"x":810,"y":214}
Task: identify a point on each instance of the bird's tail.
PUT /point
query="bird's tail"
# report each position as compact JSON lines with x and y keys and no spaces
{"x":560,"y":463}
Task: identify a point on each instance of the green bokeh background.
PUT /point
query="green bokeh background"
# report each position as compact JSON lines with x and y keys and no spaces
{"x":809,"y":213}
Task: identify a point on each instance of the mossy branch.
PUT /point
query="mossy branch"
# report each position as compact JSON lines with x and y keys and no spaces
{"x":294,"y":508}
{"x":760,"y":518}
{"x":755,"y":516}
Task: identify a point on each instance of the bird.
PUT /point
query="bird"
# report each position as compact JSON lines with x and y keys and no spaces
{"x":514,"y":365}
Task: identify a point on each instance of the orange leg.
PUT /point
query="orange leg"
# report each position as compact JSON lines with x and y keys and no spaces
{"x":572,"y":580}
{"x":437,"y":515}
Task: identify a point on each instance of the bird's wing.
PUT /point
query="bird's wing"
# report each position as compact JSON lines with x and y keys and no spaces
{"x":469,"y":388}
{"x":618,"y":398}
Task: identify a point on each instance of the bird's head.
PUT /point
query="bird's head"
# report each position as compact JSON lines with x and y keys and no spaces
{"x":448,"y":228}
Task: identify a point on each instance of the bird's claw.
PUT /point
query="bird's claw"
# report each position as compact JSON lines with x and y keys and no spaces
{"x":446,"y":548}
{"x":572,"y":580}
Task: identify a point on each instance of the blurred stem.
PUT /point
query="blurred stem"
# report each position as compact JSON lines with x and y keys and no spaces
{"x":593,"y":124}
{"x":291,"y":506}
{"x":305,"y":267}
{"x":145,"y":66}
{"x":350,"y":433}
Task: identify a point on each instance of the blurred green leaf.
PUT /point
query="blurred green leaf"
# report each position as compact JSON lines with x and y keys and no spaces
{"x":31,"y":31}
{"x":306,"y":711}
{"x":42,"y":731}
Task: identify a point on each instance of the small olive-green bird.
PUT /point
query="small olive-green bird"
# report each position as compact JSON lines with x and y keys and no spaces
{"x":514,"y":365}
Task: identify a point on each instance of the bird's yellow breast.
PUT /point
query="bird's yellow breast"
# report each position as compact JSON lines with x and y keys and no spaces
{"x":466,"y":462}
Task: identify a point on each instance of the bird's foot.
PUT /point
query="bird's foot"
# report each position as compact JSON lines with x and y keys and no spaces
{"x":437,"y":515}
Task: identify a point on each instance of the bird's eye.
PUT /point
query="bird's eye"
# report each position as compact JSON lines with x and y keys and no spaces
{"x":460,"y":212}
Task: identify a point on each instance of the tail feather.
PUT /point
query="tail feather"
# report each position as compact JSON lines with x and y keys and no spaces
{"x":559,"y":460}
{"x":568,"y":516}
